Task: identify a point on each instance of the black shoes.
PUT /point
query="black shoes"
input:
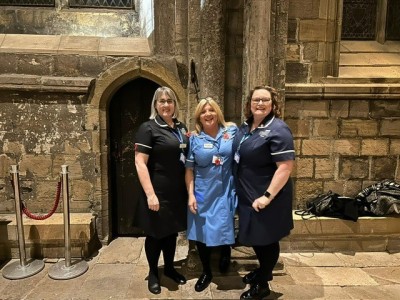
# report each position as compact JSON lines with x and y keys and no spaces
{"x":251,"y":277}
{"x":153,"y":284}
{"x":175,"y":276}
{"x":203,"y":282}
{"x":256,"y":292}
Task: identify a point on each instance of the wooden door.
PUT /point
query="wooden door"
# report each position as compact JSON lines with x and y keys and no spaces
{"x":129,"y":108}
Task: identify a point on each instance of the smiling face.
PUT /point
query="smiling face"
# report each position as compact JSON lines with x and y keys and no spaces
{"x":208,"y":117}
{"x":165,"y":107}
{"x":261,"y":104}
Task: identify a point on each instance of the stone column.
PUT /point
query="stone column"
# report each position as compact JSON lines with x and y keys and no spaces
{"x":212,"y":64}
{"x":164,"y":27}
{"x":256,"y":40}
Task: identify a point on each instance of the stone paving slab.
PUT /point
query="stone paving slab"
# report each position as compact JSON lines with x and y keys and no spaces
{"x":327,"y":276}
{"x":119,"y":271}
{"x":311,"y":259}
{"x":377,"y":292}
{"x":368,"y":259}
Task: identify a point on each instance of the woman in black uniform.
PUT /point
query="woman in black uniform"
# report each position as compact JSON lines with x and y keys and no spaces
{"x":264,"y":158}
{"x":160,"y":153}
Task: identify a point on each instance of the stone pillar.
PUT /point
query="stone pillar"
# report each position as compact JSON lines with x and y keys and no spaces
{"x":256,"y":40}
{"x":212,"y":64}
{"x":265,"y":39}
{"x":279,"y":32}
{"x":164,"y":27}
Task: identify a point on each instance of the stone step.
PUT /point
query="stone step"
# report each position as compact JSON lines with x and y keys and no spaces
{"x":315,"y":234}
{"x":324,"y":234}
{"x":45,"y":238}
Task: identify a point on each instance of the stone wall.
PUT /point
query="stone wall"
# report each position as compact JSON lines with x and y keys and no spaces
{"x":68,"y":21}
{"x":312,"y":30}
{"x":346,"y":136}
{"x":40,"y":132}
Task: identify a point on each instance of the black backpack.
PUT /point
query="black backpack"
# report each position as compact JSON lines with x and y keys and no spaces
{"x":331,"y":205}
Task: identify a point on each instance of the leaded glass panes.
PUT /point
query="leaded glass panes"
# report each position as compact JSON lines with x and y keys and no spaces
{"x":359,"y":19}
{"x":102,"y":3}
{"x":393,"y":20}
{"x":27,"y":2}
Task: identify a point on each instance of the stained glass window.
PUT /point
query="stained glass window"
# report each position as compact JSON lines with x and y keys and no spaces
{"x":359,"y":19}
{"x":102,"y":3}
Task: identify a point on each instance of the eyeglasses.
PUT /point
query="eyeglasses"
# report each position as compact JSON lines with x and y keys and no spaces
{"x":263,"y":100}
{"x":163,"y":102}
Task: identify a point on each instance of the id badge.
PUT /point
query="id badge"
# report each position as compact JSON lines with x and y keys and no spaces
{"x":237,"y":157}
{"x":217,"y":160}
{"x":182,"y":158}
{"x":182,"y":146}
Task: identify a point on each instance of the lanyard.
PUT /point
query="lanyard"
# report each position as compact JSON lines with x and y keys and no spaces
{"x":178,"y":135}
{"x":244,"y":138}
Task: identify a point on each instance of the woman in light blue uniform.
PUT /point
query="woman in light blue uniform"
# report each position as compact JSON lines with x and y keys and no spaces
{"x":210,"y":184}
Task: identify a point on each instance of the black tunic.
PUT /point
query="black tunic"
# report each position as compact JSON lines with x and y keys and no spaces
{"x":259,"y":151}
{"x":167,"y":174}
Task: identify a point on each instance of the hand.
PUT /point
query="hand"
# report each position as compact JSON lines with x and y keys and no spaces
{"x":261,"y":203}
{"x":192,"y":204}
{"x":153,"y":203}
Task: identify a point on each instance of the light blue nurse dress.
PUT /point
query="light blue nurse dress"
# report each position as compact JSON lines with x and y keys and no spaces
{"x":212,"y":161}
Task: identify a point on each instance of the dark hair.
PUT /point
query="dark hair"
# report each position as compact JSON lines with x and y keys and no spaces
{"x":276,"y":110}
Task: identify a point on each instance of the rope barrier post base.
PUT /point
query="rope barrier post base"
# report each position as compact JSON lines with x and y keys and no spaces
{"x":65,"y":269}
{"x":21,"y":269}
{"x":60,"y":271}
{"x":17,"y":271}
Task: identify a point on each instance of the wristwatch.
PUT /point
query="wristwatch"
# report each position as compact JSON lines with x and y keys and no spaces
{"x":267,"y":194}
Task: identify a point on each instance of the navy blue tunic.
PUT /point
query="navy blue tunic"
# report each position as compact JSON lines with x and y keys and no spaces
{"x":259,"y":152}
{"x":167,"y":174}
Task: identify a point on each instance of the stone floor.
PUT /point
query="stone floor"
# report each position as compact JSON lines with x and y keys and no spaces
{"x":119,"y":271}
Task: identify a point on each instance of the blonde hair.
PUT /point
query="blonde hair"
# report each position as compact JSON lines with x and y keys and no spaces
{"x":163,"y":90}
{"x":220,"y":117}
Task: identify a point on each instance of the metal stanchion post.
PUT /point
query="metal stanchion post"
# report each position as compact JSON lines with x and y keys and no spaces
{"x":67,"y":269}
{"x":23,"y":268}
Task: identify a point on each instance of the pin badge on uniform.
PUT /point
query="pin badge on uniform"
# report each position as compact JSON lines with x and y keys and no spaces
{"x":264,"y":133}
{"x":217,"y":160}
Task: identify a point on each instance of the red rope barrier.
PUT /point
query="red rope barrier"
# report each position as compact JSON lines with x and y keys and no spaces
{"x":30,"y":215}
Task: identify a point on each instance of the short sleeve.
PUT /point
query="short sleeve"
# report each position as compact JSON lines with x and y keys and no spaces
{"x":143,"y":142}
{"x":281,"y":144}
{"x":190,"y":155}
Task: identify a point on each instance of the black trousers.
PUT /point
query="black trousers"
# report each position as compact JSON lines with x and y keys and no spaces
{"x":267,"y":257}
{"x":205,"y":255}
{"x":153,"y":248}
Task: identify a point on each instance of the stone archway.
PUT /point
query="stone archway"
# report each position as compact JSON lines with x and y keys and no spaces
{"x":97,"y":118}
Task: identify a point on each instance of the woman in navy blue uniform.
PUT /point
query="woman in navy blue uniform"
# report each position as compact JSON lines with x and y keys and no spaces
{"x":264,"y":158}
{"x":160,"y":154}
{"x":210,"y":184}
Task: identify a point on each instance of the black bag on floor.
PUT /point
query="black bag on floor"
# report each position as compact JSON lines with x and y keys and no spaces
{"x":379,"y":199}
{"x":331,"y":205}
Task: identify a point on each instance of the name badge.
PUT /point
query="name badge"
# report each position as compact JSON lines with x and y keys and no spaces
{"x":182,"y":158}
{"x":237,"y":157}
{"x":208,"y":146}
{"x":182,"y":146}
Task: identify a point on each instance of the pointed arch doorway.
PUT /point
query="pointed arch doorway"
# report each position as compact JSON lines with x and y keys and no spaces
{"x":129,"y":107}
